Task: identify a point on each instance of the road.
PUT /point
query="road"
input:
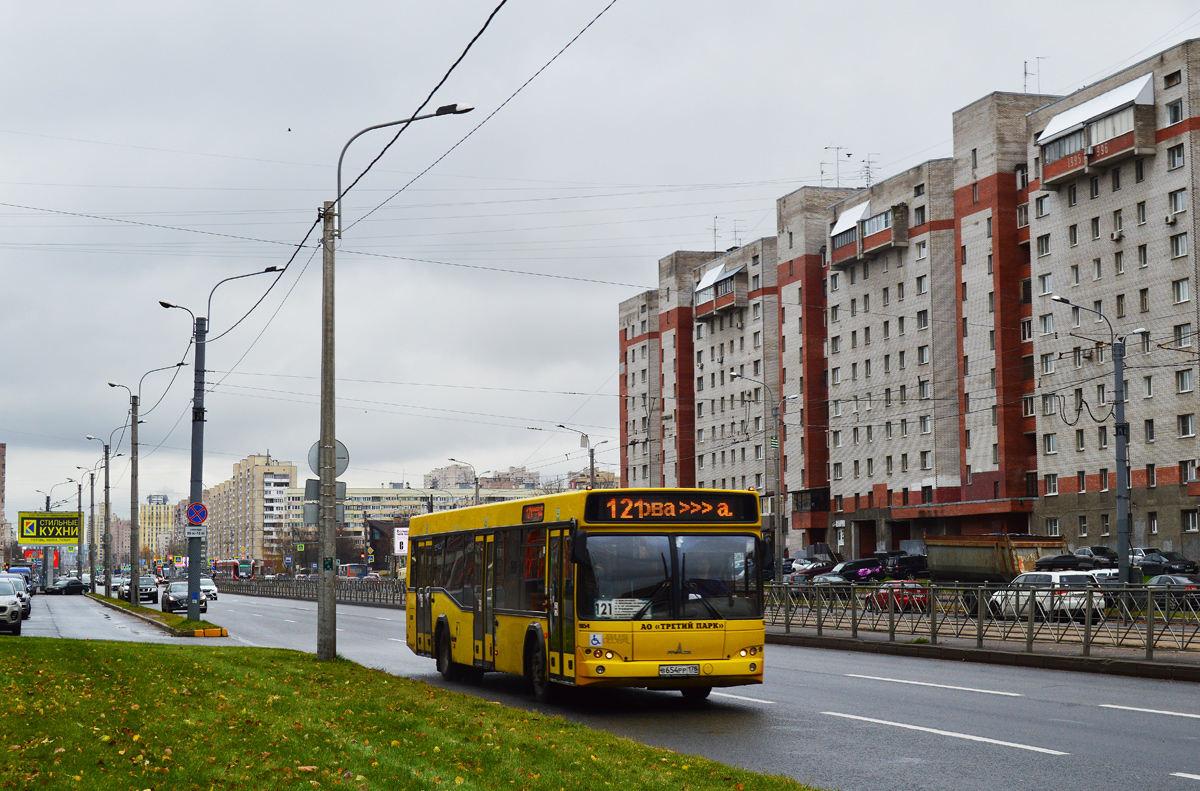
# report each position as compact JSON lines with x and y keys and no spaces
{"x":832,"y":719}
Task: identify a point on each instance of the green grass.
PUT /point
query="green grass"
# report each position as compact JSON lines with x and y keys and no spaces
{"x":109,"y":715}
{"x":168,"y":618}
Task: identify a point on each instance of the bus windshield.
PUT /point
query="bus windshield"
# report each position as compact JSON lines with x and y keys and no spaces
{"x":669,"y":577}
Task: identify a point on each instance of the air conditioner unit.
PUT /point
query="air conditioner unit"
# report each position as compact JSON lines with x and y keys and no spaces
{"x":1116,"y":236}
{"x":700,"y":366}
{"x":1091,"y":150}
{"x":739,"y":325}
{"x":1169,"y":219}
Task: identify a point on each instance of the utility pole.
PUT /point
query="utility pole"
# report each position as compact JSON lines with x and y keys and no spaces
{"x":327,"y":530}
{"x":107,"y":534}
{"x":92,"y":533}
{"x":196,"y":491}
{"x":135,"y":569}
{"x":79,"y":550}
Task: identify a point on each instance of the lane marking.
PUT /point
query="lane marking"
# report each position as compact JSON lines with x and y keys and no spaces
{"x":939,"y":686}
{"x":951,"y":734}
{"x":741,"y":697}
{"x":381,"y":619}
{"x":1150,"y":711}
{"x":257,"y":614}
{"x":395,"y":639}
{"x":288,"y":620}
{"x":1182,"y":774}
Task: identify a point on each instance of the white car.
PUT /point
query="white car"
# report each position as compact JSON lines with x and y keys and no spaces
{"x":1053,"y":594}
{"x":208,"y":588}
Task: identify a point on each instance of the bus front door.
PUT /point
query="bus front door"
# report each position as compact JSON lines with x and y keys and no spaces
{"x":424,"y":624}
{"x":485,"y":616}
{"x":561,"y":610}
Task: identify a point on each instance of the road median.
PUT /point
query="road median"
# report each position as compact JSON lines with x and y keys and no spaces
{"x":168,"y":622}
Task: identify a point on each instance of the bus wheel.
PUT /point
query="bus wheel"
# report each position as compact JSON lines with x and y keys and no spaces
{"x":695,"y":694}
{"x":539,"y":677}
{"x":449,"y":669}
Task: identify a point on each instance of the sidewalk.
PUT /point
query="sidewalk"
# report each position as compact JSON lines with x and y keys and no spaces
{"x":1167,"y":664}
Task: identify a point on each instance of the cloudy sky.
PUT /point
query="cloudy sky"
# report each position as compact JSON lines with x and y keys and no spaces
{"x":149,"y":150}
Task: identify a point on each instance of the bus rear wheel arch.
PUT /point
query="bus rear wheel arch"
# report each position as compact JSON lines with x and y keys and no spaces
{"x":537,"y":666}
{"x":450,"y":670}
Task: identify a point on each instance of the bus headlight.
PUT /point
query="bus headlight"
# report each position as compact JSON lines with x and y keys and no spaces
{"x":753,"y":667}
{"x":600,"y":670}
{"x":743,"y":652}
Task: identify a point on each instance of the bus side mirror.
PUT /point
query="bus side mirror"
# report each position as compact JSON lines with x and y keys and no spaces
{"x":579,"y":547}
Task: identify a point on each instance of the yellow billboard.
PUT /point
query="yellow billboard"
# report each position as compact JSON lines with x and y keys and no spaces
{"x":46,"y":529}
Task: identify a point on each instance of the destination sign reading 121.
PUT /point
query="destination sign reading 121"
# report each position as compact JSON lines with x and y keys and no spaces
{"x":652,"y":506}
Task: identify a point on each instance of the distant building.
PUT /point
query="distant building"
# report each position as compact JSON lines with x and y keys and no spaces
{"x":247,"y":513}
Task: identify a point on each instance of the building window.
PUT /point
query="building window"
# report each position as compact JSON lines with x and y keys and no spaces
{"x":922,"y":355}
{"x":1175,"y":157}
{"x":1151,"y":475}
{"x":1189,"y":521}
{"x":1094,"y":187}
{"x":1048,"y":363}
{"x":1178,"y":201}
{"x":1027,"y":406}
{"x":1148,"y":429}
{"x":1116,"y":179}
{"x":1046,"y":283}
{"x":1187,"y":424}
{"x":1104,"y":524}
{"x":1026,"y":329}
{"x":1052,"y":528}
{"x":1095,"y":227}
{"x":922,"y":319}
{"x":1041,"y":206}
{"x":1082,"y":526}
{"x":1181,"y":290}
{"x":1179,"y":245}
{"x":1043,"y":244}
{"x":1183,"y":335}
{"x":1172,"y":79}
{"x":922,"y":250}
{"x":1023,"y":215}
{"x":1175,"y":111}
{"x":1049,"y":444}
{"x":1104,"y":479}
{"x":1152,"y":522}
{"x":1047,"y":323}
{"x":1072,"y":195}
{"x":1051,"y":484}
{"x":922,"y":285}
{"x":926,"y":460}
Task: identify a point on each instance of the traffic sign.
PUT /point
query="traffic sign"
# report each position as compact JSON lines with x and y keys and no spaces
{"x":299,"y":547}
{"x":341,"y":458}
{"x":197,"y":513}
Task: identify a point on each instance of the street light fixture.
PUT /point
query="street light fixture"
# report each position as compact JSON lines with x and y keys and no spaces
{"x":107,"y":516}
{"x":327,"y":452}
{"x":196,"y":493}
{"x":1125,"y":570}
{"x":585,"y":442}
{"x":135,"y":564}
{"x":777,"y":516}
{"x":473,"y":475}
{"x":91,"y":526}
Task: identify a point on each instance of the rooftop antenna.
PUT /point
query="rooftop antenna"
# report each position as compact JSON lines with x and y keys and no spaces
{"x":714,"y":247}
{"x":1039,"y":60}
{"x":837,"y":170}
{"x":736,"y":240}
{"x":1025,"y":77}
{"x":868,"y":163}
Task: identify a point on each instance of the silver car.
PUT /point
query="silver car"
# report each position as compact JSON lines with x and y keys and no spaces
{"x":1052,"y":593}
{"x":10,"y":608}
{"x":23,"y":593}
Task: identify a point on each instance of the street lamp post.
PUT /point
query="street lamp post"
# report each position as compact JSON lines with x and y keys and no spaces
{"x":107,"y":516}
{"x":327,"y":452}
{"x":473,"y":475}
{"x":134,"y":533}
{"x":585,"y":442}
{"x":777,"y":516}
{"x":47,"y":551}
{"x":1125,"y":569}
{"x":91,"y":528}
{"x":196,"y":492}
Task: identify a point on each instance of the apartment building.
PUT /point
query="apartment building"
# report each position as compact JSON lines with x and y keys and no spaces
{"x":156,"y":524}
{"x":942,"y":353}
{"x":247,"y":512}
{"x":1113,"y":223}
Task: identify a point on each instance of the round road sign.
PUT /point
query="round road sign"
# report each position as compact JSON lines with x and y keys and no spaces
{"x":197,"y":513}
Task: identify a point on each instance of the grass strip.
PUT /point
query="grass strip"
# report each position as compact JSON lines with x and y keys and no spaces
{"x":111,"y":715}
{"x":168,"y":618}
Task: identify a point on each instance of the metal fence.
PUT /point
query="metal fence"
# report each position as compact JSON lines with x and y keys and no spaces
{"x":1126,"y":617}
{"x":382,"y":593}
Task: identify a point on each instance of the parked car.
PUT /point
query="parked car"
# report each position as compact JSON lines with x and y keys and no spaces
{"x":1156,"y":563}
{"x":21,"y":584}
{"x":906,"y":595}
{"x":1178,"y":591}
{"x":1136,"y":554}
{"x":208,"y":588}
{"x":67,"y":585}
{"x":10,"y":608}
{"x":861,"y":570}
{"x":807,"y":571}
{"x":1054,"y":594}
{"x":1067,"y":561}
{"x":1102,"y":557}
{"x":175,"y":597}
{"x":902,"y":565}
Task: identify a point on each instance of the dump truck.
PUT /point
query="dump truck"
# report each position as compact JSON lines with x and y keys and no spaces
{"x":997,"y":557}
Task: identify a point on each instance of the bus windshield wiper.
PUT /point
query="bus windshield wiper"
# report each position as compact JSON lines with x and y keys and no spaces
{"x":691,"y":586}
{"x":663,"y":583}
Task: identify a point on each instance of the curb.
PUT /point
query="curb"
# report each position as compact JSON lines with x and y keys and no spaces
{"x":174,"y":632}
{"x":1077,"y":664}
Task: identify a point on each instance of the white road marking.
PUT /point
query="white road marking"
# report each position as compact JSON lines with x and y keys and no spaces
{"x":939,"y":686}
{"x":951,"y":734}
{"x":741,"y":697}
{"x":257,"y":614}
{"x":1182,"y":774}
{"x":395,"y":639}
{"x":1150,"y":711}
{"x":382,"y":619}
{"x":288,"y":620}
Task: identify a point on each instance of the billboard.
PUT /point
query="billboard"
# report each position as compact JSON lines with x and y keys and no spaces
{"x":400,"y":541}
{"x":44,"y":529}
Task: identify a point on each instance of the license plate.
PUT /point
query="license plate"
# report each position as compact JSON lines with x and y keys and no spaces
{"x":678,"y":670}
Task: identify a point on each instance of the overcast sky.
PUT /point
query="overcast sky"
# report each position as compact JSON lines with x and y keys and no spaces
{"x":149,"y":150}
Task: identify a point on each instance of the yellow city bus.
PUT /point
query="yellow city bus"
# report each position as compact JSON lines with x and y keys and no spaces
{"x":655,"y":588}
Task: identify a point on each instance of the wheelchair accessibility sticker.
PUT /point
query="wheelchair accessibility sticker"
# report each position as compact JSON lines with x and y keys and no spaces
{"x":595,"y":640}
